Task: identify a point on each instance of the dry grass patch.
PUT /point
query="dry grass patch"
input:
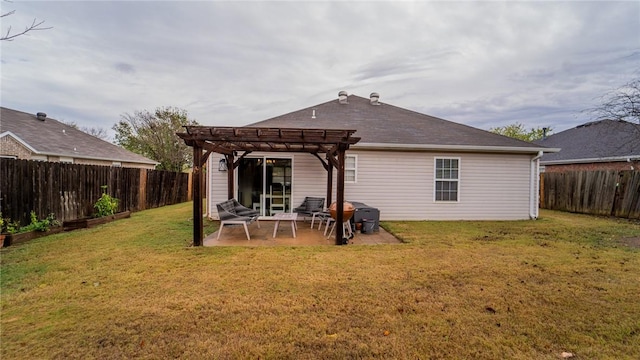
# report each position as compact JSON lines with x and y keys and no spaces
{"x":480,"y":290}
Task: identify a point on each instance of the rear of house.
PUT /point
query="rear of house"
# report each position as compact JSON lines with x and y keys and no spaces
{"x":408,"y":165}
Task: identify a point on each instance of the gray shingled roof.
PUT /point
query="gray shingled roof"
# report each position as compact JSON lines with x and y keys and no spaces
{"x":388,"y":124}
{"x":606,"y":139}
{"x":51,"y":137}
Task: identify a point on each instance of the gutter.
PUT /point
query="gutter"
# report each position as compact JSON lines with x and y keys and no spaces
{"x":462,"y":148}
{"x":77,"y":156}
{"x":74,"y":155}
{"x":534,"y":190}
{"x":592,"y":160}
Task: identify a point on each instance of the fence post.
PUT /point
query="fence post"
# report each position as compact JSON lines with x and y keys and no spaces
{"x":142,"y":192}
{"x":541,"y":198}
{"x":189,"y":186}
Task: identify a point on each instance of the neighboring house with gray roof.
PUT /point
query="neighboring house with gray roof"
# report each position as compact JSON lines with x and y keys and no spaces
{"x":409,"y":165}
{"x":597,"y":145}
{"x":37,"y":137}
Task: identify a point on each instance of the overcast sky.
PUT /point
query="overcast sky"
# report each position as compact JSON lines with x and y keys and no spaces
{"x":484,"y":64}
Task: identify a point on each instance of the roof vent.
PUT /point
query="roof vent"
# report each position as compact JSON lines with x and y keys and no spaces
{"x":342,"y":97}
{"x":373,"y":98}
{"x":41,"y":116}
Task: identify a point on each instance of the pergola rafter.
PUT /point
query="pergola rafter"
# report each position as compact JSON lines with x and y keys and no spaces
{"x":229,"y":141}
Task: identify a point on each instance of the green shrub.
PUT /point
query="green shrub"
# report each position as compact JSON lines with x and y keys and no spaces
{"x":106,"y":205}
{"x":7,"y":226}
{"x":13,"y":227}
{"x":39,"y":225}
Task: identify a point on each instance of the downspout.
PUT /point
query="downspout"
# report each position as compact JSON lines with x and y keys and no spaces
{"x":533,"y":190}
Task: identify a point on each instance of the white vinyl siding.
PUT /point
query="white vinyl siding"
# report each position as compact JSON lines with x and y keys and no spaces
{"x":401,"y":185}
{"x":309,"y":178}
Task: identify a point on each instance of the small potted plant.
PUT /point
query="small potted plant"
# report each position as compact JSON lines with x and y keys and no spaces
{"x":7,"y":229}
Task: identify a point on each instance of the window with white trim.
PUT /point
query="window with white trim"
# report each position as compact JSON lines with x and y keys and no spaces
{"x":447,"y":178}
{"x":350,"y":168}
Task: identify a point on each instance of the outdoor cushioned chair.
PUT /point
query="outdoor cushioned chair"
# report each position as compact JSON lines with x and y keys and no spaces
{"x":232,"y":212}
{"x":310,"y":205}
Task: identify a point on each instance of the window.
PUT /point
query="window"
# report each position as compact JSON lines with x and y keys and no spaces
{"x":350,"y":168}
{"x":447,"y":179}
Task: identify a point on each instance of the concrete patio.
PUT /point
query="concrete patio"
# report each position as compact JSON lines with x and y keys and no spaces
{"x":263,"y":236}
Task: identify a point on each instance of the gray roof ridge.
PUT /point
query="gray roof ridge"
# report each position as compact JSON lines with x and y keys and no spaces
{"x":431,"y":117}
{"x":410,"y":130}
{"x":604,"y":121}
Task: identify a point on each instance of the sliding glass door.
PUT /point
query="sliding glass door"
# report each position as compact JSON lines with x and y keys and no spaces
{"x":265,"y":184}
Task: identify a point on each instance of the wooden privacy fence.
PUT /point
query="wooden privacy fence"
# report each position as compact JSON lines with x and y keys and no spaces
{"x":69,"y":191}
{"x":609,"y":193}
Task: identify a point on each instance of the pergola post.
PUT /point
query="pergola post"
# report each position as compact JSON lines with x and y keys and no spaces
{"x":340,"y":197}
{"x":230,"y":175}
{"x":198,"y":232}
{"x":329,"y":183}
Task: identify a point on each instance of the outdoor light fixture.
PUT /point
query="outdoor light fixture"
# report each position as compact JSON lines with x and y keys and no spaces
{"x":222,"y":165}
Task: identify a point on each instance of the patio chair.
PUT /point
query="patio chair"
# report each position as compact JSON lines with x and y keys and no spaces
{"x":232,"y":212}
{"x":309,"y":206}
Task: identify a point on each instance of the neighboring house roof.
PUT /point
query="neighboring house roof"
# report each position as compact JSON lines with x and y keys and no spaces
{"x":53,"y":138}
{"x":598,"y":141}
{"x":388,"y":126}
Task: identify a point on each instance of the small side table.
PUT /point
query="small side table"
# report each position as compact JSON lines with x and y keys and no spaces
{"x":285,"y":217}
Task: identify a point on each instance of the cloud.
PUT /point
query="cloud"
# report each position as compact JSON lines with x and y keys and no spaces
{"x":485,"y":64}
{"x":124,"y":68}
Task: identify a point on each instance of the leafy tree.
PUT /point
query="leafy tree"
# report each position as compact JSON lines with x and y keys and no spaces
{"x":154,"y":135}
{"x":622,"y":103}
{"x":8,"y":36}
{"x":518,"y":131}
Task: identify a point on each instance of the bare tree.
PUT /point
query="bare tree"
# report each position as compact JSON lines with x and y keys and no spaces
{"x":622,"y":103}
{"x":35,"y":26}
{"x":100,"y":133}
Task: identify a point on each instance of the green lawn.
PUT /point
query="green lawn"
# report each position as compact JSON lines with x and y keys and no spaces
{"x":474,"y":290}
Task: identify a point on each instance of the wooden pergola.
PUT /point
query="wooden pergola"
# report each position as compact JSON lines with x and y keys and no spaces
{"x":231,"y":141}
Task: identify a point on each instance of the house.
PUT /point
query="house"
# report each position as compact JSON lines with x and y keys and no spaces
{"x":597,"y":145}
{"x":38,"y":137}
{"x":408,"y":165}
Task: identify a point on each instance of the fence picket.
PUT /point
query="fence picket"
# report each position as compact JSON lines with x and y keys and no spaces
{"x":602,"y":192}
{"x":70,"y":190}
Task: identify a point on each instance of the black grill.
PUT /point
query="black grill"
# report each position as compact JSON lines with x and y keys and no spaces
{"x":366,"y":213}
